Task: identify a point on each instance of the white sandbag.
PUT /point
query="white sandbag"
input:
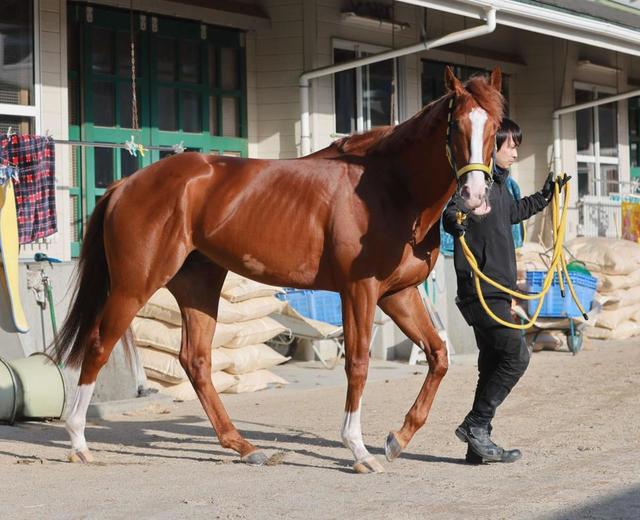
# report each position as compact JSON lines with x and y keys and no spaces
{"x":547,"y":340}
{"x":532,"y":257}
{"x":252,"y":357}
{"x":162,"y":306}
{"x":255,"y":331}
{"x":164,"y":336}
{"x":254,"y":381}
{"x":636,"y":316}
{"x":232,"y":280}
{"x":166,"y":367}
{"x":249,"y":309}
{"x":248,"y":289}
{"x":624,"y":330}
{"x":606,"y":255}
{"x":610,"y":319}
{"x":614,"y":282}
{"x":185,"y":392}
{"x":622,"y":298}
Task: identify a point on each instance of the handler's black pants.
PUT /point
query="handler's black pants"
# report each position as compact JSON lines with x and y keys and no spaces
{"x":502,"y":359}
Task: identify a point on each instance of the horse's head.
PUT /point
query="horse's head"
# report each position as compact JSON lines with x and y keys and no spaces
{"x":475,"y":112}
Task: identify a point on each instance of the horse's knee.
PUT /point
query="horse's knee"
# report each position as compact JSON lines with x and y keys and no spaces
{"x":440,"y":363}
{"x":197,"y":367}
{"x":357,"y":368}
{"x":96,"y":356}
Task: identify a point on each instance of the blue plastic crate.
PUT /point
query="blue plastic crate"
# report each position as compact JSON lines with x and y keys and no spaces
{"x":323,"y":306}
{"x":554,"y":305}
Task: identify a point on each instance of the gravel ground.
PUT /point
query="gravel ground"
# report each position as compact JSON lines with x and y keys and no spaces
{"x":576,"y":418}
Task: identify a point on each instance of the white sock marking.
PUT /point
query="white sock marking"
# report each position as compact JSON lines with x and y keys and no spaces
{"x":352,"y":434}
{"x":77,"y":419}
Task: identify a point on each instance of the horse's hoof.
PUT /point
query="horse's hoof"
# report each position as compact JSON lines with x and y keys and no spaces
{"x":368,"y":465}
{"x":84,"y":457}
{"x":255,"y":458}
{"x":392,"y":448}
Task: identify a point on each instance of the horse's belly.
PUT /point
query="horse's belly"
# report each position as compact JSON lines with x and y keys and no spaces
{"x":274,"y":262}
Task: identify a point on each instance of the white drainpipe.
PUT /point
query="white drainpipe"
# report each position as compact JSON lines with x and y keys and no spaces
{"x":557,"y":156}
{"x":304,"y":83}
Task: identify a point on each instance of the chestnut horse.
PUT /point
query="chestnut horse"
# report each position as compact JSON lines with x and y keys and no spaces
{"x":360,"y":218}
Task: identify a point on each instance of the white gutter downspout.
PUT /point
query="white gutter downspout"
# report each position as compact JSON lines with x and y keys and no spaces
{"x":557,"y":156}
{"x":304,"y":83}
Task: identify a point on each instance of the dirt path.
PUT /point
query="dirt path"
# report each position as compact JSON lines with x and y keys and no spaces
{"x":577,"y":420}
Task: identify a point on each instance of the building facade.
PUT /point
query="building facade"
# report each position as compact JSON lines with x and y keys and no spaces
{"x":223,"y":76}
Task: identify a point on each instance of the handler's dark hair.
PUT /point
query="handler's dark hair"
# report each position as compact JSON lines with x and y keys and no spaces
{"x":508,"y":128}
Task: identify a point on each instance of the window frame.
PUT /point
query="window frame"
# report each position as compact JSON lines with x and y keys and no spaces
{"x":596,"y":159}
{"x":398,"y":69}
{"x":30,"y":111}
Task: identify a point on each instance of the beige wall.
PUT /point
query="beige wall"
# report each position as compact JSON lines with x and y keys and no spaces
{"x":51,"y":81}
{"x":277,"y":64}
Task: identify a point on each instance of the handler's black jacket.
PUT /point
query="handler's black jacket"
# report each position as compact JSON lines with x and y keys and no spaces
{"x":489,"y":238}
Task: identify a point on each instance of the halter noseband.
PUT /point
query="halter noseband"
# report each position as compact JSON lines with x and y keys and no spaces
{"x":458,"y":173}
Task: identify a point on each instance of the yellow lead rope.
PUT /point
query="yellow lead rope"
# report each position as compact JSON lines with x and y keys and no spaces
{"x":558,"y":265}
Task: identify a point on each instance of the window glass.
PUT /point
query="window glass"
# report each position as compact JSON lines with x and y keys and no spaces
{"x":166,"y":57}
{"x":103,"y":103}
{"x":18,"y":124}
{"x":230,"y":117}
{"x":16,"y":59}
{"x":168,"y":113}
{"x":104,"y":167}
{"x":377,"y":93}
{"x":609,"y":179}
{"x":584,"y":124}
{"x":608,"y":129}
{"x":102,"y":52}
{"x":345,"y":93}
{"x":189,"y":61}
{"x":128,"y":163}
{"x":191,"y":111}
{"x":585,"y":178}
{"x":230,"y":69}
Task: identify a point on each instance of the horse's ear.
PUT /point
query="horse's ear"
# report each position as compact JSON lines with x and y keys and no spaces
{"x":496,"y":79}
{"x":451,"y":82}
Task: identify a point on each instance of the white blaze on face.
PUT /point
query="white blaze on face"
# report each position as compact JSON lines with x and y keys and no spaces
{"x":474,"y":188}
{"x":78,"y":417}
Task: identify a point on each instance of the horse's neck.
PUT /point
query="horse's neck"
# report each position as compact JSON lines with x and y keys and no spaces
{"x":429,"y":176}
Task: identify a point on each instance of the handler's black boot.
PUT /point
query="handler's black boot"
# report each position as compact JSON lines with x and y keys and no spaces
{"x":481,"y":448}
{"x":507,"y":456}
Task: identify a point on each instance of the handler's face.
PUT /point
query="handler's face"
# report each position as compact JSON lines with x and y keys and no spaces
{"x":507,"y":154}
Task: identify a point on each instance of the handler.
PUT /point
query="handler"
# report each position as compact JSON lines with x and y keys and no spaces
{"x":503,"y":356}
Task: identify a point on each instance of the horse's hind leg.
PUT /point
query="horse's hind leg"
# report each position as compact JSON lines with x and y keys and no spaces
{"x":197,"y":288}
{"x":407,"y":310}
{"x":118,"y":312}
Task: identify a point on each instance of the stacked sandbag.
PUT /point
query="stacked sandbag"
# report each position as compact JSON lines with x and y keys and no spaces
{"x":546,"y":340}
{"x":239,"y":358}
{"x":616,"y":264}
{"x":531,"y":257}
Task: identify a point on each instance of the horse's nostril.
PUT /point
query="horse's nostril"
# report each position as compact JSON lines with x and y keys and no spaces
{"x":465,"y":192}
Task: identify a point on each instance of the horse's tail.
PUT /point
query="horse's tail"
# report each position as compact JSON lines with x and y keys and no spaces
{"x":91,"y":288}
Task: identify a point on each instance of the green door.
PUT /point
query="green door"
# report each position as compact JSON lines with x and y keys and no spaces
{"x":190,"y":89}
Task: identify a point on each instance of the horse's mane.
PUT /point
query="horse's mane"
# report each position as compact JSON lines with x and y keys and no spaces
{"x":388,"y":139}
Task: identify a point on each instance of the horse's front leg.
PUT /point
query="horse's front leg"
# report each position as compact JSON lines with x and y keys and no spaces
{"x":407,"y":310}
{"x":358,"y":309}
